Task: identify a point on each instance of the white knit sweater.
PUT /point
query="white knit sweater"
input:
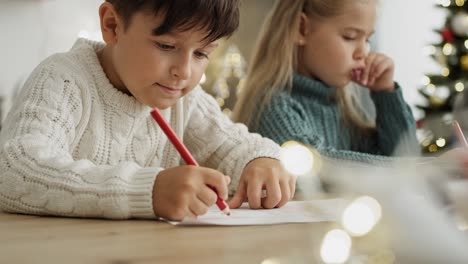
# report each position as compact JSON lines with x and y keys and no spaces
{"x":73,"y":145}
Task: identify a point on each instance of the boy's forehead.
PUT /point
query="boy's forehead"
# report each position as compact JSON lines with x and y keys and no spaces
{"x":152,"y":23}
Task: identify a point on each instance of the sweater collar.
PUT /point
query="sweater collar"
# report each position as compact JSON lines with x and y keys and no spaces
{"x":87,"y":53}
{"x":314,"y":87}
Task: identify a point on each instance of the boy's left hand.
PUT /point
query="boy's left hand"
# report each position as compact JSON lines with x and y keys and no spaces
{"x":377,"y":73}
{"x":264,"y":174}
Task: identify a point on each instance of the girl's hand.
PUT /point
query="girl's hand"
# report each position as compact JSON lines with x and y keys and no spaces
{"x":184,"y":191}
{"x":264,"y":174}
{"x":377,"y":75}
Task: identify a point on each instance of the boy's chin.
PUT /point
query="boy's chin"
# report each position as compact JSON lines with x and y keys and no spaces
{"x":163,"y":105}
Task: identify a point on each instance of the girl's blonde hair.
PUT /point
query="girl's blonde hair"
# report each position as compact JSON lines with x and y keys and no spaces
{"x":275,"y":59}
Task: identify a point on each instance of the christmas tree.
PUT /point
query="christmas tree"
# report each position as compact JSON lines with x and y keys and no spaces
{"x":441,"y":90}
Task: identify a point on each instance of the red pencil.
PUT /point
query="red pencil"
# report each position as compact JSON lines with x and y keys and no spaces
{"x":183,"y":151}
{"x":459,"y":133}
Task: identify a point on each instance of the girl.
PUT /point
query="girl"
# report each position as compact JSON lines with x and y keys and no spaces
{"x":298,"y":84}
{"x":80,"y":140}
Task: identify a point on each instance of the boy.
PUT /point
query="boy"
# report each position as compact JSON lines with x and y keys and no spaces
{"x":80,"y":140}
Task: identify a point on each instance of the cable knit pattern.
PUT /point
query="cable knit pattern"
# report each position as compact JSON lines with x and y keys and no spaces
{"x":73,"y":145}
{"x":310,"y":115}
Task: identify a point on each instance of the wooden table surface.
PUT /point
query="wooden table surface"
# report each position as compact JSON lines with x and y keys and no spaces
{"x":33,"y":239}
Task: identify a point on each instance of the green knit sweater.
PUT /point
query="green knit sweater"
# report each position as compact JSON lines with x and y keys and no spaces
{"x":310,"y":115}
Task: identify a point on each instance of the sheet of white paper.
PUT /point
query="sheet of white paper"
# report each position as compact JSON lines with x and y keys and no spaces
{"x":292,"y":212}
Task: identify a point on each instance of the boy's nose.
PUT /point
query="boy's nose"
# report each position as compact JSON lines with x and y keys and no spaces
{"x":181,"y":69}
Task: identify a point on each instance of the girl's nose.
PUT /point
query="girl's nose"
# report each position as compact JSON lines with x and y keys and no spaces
{"x":362,"y":51}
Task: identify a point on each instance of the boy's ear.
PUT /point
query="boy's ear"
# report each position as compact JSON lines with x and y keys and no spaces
{"x":303,"y":30}
{"x":110,"y":23}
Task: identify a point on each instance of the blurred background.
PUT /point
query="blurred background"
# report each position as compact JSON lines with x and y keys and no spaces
{"x":413,"y":33}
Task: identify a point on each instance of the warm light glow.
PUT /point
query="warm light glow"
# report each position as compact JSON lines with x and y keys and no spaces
{"x":336,"y":247}
{"x":445,"y":72}
{"x":430,"y":89}
{"x":460,"y":2}
{"x":466,"y":44}
{"x":296,"y":158}
{"x":433,"y":148}
{"x":271,"y":261}
{"x":426,"y":143}
{"x":220,"y":101}
{"x":459,"y":87}
{"x":425,"y":80}
{"x":203,"y":79}
{"x":448,"y":49}
{"x":361,"y":216}
{"x":227,"y":112}
{"x":445,"y":3}
{"x":441,"y":142}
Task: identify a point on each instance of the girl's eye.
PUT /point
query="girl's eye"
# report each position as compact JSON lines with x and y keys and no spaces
{"x":164,"y":46}
{"x":201,"y":55}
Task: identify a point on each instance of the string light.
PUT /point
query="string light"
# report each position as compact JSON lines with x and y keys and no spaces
{"x":445,"y":3}
{"x":459,"y":87}
{"x":448,"y":49}
{"x":460,"y":3}
{"x":466,"y":44}
{"x":426,"y":143}
{"x":441,"y":142}
{"x":227,"y":112}
{"x":220,"y":101}
{"x":445,"y":72}
{"x":464,"y":62}
{"x":433,"y":148}
{"x":425,"y":80}
{"x":431,"y":89}
{"x":336,"y":247}
{"x":233,"y":65}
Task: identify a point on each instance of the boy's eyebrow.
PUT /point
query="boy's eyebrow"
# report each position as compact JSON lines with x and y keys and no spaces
{"x":212,"y":45}
{"x":174,"y":35}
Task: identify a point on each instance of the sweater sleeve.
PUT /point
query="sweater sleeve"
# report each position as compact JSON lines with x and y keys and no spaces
{"x":285,"y":119}
{"x":217,"y":142}
{"x":395,"y":124}
{"x":39,"y":174}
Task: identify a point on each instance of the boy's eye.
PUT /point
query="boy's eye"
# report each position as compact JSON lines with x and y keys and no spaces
{"x":349,"y":38}
{"x":164,"y":46}
{"x":201,"y":55}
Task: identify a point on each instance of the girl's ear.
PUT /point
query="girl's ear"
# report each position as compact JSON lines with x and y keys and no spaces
{"x":303,"y":30}
{"x":110,"y":23}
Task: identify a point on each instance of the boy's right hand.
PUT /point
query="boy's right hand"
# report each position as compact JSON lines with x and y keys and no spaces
{"x":183,"y":191}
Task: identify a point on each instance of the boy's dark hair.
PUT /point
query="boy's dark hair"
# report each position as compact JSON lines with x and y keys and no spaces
{"x":219,"y":17}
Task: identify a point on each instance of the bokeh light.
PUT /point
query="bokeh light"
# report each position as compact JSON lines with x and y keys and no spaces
{"x":336,"y":247}
{"x":297,"y":158}
{"x":441,"y":142}
{"x":271,"y":261}
{"x":361,"y":216}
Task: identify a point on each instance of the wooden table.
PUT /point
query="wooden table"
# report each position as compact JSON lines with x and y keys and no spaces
{"x":33,"y":239}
